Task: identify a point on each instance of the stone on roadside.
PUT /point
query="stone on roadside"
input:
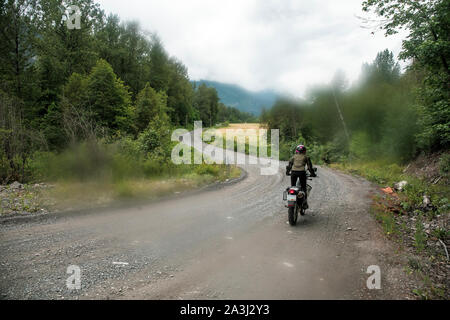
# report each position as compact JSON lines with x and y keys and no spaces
{"x":400,"y":186}
{"x":16,"y":185}
{"x":426,"y":203}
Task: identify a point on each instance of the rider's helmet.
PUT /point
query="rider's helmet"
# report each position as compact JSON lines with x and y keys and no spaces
{"x":300,"y":149}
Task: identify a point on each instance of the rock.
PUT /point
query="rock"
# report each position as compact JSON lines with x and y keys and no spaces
{"x":426,"y":203}
{"x":16,"y":185}
{"x":400,"y":186}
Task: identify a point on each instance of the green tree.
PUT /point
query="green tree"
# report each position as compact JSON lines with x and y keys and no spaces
{"x":108,"y":98}
{"x":149,"y":104}
{"x":61,"y":51}
{"x":180,"y":94}
{"x":127,"y":49}
{"x":207,"y":103}
{"x":155,"y":139}
{"x":16,"y":46}
{"x":159,"y":66}
{"x":383,"y":69}
{"x":428,"y":45}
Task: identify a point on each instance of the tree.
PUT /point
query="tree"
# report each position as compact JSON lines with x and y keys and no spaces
{"x":159,"y":66}
{"x":155,"y":139}
{"x":61,"y":51}
{"x":126,"y":48}
{"x":180,"y":94}
{"x":383,"y":69}
{"x":149,"y":104}
{"x":233,"y":115}
{"x":428,"y":24}
{"x":207,"y":102}
{"x":428,"y":46}
{"x":108,"y":98}
{"x":17,"y":142}
{"x":339,"y":81}
{"x":17,"y":50}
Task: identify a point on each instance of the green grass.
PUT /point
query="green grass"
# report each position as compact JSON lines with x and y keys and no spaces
{"x":408,"y":203}
{"x":385,"y":174}
{"x":420,"y":238}
{"x":385,"y":218}
{"x":89,"y":175}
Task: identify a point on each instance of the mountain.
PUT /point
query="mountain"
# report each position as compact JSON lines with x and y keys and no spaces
{"x":235,"y":96}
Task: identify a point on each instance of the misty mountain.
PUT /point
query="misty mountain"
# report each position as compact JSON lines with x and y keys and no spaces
{"x":247,"y":101}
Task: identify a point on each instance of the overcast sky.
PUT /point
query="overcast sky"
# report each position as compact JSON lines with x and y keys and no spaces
{"x":286,"y":45}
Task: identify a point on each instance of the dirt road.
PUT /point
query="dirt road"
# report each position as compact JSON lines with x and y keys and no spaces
{"x":231,"y":242}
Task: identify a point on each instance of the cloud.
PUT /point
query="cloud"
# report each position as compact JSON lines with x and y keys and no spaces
{"x":261,"y":44}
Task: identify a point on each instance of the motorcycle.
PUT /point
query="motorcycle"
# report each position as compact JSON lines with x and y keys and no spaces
{"x":295,"y":198}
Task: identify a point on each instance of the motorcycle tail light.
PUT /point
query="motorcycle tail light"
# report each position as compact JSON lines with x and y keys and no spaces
{"x":292,"y":191}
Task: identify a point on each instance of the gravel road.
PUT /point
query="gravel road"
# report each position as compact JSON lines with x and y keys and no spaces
{"x":230,"y":242}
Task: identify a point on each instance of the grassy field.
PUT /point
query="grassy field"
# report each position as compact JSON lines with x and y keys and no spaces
{"x":236,"y":126}
{"x":240,"y":136}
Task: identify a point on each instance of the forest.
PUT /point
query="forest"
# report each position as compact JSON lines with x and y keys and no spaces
{"x":388,"y":114}
{"x":112,"y":86}
{"x":107,"y":86}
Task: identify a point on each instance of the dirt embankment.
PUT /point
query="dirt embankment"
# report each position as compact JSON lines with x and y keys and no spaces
{"x":431,"y":167}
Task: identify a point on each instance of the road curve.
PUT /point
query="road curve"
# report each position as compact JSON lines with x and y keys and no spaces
{"x":231,"y":242}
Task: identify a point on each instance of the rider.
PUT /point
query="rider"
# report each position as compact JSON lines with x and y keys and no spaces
{"x":297,"y":167}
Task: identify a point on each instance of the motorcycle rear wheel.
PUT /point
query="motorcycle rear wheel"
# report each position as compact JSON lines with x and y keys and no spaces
{"x":293,"y":215}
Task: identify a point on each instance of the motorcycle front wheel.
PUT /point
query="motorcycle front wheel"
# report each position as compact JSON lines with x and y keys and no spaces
{"x":293,"y":215}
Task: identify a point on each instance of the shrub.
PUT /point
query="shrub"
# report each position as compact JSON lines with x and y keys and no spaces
{"x":444,"y":164}
{"x":213,"y":170}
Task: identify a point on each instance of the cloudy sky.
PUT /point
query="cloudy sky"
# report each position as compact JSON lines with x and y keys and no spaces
{"x":286,"y":45}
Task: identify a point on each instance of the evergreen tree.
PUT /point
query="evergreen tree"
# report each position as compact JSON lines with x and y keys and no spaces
{"x":149,"y":104}
{"x":159,"y":66}
{"x":108,"y":98}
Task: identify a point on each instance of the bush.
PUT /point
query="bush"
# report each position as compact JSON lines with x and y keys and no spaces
{"x":86,"y":161}
{"x":213,"y":170}
{"x":444,"y":165}
{"x":360,"y":145}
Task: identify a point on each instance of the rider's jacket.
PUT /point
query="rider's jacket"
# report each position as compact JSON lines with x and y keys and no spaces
{"x":299,"y":161}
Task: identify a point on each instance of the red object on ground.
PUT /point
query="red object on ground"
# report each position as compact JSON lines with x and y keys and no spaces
{"x":388,"y":190}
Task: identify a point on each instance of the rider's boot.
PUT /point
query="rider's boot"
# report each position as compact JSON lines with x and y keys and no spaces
{"x":305,"y":203}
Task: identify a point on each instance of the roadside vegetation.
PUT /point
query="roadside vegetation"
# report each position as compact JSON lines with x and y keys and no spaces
{"x":382,"y":125}
{"x":91,"y":110}
{"x":414,"y":215}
